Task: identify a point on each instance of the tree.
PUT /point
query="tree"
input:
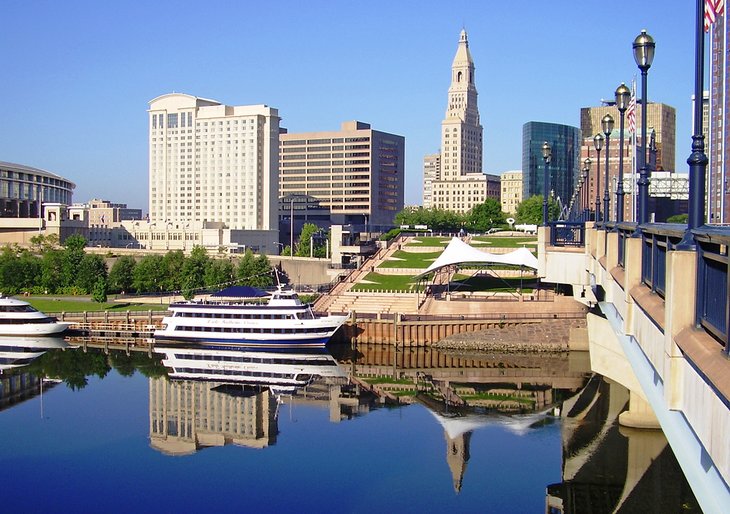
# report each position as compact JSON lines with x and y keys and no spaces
{"x":255,"y":271}
{"x":99,"y":292}
{"x":194,"y":270}
{"x":678,"y":218}
{"x":19,"y":270}
{"x":485,"y":216}
{"x":121,"y":276}
{"x":220,"y":273}
{"x":73,"y":253}
{"x":529,"y":211}
{"x":148,"y":274}
{"x":306,"y":238}
{"x":52,"y":265}
{"x":91,"y":268}
{"x":171,"y":278}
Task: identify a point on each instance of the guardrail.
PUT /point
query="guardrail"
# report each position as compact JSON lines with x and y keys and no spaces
{"x":713,"y":307}
{"x":657,"y":240}
{"x":567,"y":233}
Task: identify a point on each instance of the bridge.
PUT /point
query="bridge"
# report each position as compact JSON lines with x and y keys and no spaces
{"x":659,"y":326}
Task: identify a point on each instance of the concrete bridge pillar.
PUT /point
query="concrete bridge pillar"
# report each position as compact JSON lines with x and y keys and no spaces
{"x":632,"y":266}
{"x":639,"y":415}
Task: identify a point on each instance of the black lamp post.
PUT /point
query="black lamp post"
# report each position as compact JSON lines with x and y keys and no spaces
{"x":644,"y":55}
{"x":607,"y":127}
{"x":698,"y":159}
{"x":598,"y":144}
{"x":547,"y":153}
{"x":586,"y":198}
{"x":623,"y":97}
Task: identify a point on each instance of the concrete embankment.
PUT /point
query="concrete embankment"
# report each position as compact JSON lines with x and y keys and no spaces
{"x":543,"y":336}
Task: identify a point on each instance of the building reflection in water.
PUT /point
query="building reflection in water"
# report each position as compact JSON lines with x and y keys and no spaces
{"x":16,"y":353}
{"x":216,"y":395}
{"x":469,"y":391}
{"x":608,"y":468}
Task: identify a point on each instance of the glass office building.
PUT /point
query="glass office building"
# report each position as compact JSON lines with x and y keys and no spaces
{"x":564,"y":166}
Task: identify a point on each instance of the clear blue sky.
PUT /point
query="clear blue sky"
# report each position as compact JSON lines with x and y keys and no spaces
{"x":77,"y":75}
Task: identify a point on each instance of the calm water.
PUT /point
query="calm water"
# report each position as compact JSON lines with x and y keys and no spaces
{"x":134,"y":443}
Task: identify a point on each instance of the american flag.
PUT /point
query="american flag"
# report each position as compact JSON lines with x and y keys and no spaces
{"x":631,"y":110}
{"x":713,"y":9}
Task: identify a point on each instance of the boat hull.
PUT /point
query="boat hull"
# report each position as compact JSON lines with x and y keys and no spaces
{"x":33,"y":329}
{"x":318,"y":342}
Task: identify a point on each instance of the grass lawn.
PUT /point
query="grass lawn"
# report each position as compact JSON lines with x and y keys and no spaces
{"x":504,"y":242}
{"x":386,"y":283}
{"x":487,"y":283}
{"x":431,"y":241}
{"x":65,"y":304}
{"x":411,"y":260}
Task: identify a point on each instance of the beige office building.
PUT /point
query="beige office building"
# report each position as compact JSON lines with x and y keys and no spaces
{"x":458,"y":184}
{"x":356,"y":172}
{"x":213,"y":164}
{"x":431,"y":173}
{"x":511,"y":194}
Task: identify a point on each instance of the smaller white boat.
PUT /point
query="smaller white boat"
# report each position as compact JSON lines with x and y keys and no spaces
{"x":19,"y":318}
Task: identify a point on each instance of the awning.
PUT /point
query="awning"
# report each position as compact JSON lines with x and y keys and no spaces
{"x":458,"y":252}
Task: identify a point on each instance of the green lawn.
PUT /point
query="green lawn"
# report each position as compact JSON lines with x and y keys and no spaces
{"x":411,"y":260}
{"x":386,"y":283}
{"x":46,"y":304}
{"x":494,"y":284}
{"x":430,"y":241}
{"x":504,"y":242}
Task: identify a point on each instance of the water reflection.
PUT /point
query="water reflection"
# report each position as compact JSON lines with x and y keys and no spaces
{"x":216,"y":395}
{"x":207,"y":397}
{"x":16,"y":353}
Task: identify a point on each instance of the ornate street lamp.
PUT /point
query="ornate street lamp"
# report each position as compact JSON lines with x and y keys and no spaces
{"x":607,"y":127}
{"x":698,"y":159}
{"x":586,"y":200}
{"x":598,"y":144}
{"x":547,"y":154}
{"x":644,"y":55}
{"x":623,"y":97}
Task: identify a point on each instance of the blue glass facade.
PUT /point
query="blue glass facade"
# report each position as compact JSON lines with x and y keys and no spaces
{"x":565,"y":163}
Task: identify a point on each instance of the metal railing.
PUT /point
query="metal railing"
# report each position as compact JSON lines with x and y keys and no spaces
{"x":567,"y":233}
{"x":713,"y":282}
{"x":657,"y":240}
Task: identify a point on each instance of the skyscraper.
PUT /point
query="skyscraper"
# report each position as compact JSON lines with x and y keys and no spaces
{"x":212,"y":163}
{"x":718,"y":145}
{"x":459,"y":182}
{"x":564,"y":141}
{"x":461,"y":132}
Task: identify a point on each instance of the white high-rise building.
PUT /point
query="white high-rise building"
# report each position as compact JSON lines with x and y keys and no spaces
{"x":213,"y":165}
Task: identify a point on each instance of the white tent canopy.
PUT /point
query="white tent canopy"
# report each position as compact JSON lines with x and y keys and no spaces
{"x":458,"y":252}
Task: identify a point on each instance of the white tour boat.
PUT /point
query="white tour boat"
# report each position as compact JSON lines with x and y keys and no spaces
{"x":284,"y":321}
{"x":19,"y":318}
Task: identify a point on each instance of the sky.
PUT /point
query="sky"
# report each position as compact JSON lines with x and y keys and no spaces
{"x":77,"y":76}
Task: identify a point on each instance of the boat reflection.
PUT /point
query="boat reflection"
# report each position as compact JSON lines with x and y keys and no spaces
{"x":216,"y":395}
{"x":16,"y":353}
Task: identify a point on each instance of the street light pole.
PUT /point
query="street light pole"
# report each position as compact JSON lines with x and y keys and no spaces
{"x":546,"y":155}
{"x":623,"y":97}
{"x":644,"y":55}
{"x":698,"y":159}
{"x":598,"y":144}
{"x":607,"y":126}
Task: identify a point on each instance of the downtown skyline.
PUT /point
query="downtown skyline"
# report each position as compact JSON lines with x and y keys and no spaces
{"x":80,"y":74}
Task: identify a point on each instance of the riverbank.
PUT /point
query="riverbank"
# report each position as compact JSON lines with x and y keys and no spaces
{"x":547,"y":336}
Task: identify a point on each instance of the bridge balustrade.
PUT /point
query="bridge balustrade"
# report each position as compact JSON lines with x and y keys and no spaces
{"x":567,"y":233}
{"x":657,"y":240}
{"x":713,"y":307}
{"x":624,"y":232}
